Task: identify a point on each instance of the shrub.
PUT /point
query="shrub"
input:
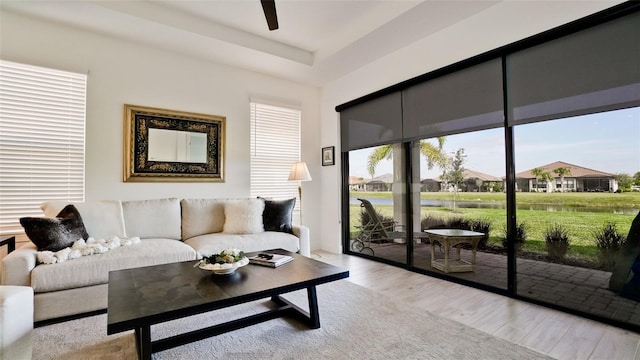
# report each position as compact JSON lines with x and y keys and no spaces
{"x":557,"y":240}
{"x":458,"y":223}
{"x":432,"y":222}
{"x":496,"y":187}
{"x":365,"y":218}
{"x":483,"y":226}
{"x":519,"y":237}
{"x":608,"y":243}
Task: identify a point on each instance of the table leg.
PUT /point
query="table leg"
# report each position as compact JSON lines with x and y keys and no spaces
{"x":314,"y":315}
{"x":143,"y":342}
{"x":473,"y":253}
{"x":447,"y":249}
{"x":458,"y":252}
{"x":433,"y":250}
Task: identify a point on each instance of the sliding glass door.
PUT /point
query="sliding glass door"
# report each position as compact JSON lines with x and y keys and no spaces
{"x":575,"y":209}
{"x":377,"y":205}
{"x":517,"y":171}
{"x":464,"y":190}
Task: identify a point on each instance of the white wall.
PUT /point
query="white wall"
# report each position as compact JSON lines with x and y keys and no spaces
{"x":499,"y":25}
{"x":121,"y":73}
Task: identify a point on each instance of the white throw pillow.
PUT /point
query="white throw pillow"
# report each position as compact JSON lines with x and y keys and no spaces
{"x":243,"y":216}
{"x":102,"y":219}
{"x":156,"y":218}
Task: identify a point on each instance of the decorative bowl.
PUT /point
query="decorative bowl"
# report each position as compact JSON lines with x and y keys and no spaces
{"x":226,"y":268}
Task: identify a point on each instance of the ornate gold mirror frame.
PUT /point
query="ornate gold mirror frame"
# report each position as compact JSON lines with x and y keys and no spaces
{"x":172,"y":146}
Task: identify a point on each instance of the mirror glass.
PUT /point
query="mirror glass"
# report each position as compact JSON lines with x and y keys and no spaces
{"x":177,"y":146}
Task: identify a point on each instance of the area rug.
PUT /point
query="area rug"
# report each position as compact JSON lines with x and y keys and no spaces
{"x":356,"y":323}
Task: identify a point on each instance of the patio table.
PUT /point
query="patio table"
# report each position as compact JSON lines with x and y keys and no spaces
{"x":449,"y":238}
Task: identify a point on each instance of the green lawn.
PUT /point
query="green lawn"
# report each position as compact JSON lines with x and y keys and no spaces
{"x":580,"y":225}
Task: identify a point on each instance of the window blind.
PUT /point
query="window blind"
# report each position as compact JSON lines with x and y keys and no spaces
{"x":591,"y":71}
{"x":42,"y":132}
{"x":466,"y":100}
{"x":275,"y":146}
{"x":376,"y":122}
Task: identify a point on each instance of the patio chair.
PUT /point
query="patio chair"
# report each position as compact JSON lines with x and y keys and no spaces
{"x":376,"y":230}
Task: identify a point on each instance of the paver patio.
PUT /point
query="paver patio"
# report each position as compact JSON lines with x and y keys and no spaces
{"x":573,"y":287}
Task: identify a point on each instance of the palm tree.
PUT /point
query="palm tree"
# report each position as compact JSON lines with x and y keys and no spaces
{"x":537,"y":172}
{"x":562,"y":172}
{"x":547,"y":177}
{"x":379,"y":154}
{"x":541,"y":176}
{"x":434,"y":155}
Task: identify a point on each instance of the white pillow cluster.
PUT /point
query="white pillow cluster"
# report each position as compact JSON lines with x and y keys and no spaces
{"x":83,"y":248}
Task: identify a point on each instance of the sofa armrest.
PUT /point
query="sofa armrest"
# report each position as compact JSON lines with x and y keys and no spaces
{"x":17,"y":266}
{"x":302,"y":232}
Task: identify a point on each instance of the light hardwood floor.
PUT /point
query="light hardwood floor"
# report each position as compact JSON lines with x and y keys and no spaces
{"x":554,"y":333}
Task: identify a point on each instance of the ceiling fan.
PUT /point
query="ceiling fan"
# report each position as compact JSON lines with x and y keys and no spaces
{"x":269,"y":8}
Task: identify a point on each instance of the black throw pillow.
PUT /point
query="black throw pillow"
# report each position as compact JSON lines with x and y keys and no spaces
{"x":57,"y":233}
{"x":278,"y":214}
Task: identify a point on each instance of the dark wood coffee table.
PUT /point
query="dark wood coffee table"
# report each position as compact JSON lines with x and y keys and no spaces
{"x":141,"y":297}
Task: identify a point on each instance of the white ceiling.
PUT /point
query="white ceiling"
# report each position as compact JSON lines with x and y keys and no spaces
{"x":318,"y":41}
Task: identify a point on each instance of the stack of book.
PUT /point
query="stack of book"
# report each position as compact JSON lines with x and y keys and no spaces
{"x":271,"y":260}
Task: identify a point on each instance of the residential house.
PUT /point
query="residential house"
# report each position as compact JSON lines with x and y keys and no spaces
{"x":378,"y":183}
{"x":356,"y":183}
{"x":577,"y":178}
{"x":474,"y":181}
{"x":430,"y":185}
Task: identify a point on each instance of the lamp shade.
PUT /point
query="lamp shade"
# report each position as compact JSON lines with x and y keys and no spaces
{"x":299,"y":172}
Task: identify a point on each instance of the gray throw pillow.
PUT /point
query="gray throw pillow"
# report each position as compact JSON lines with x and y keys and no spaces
{"x":57,"y":233}
{"x":278,"y":214}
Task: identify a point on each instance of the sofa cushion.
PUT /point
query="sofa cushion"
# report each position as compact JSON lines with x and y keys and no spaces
{"x":92,"y":270}
{"x":267,"y":240}
{"x":56,"y":233}
{"x":102,"y":219}
{"x":278,"y":214}
{"x":243,"y":216}
{"x":201,"y":216}
{"x":158,"y":218}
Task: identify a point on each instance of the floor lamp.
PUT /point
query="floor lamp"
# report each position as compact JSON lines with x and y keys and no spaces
{"x":299,"y":172}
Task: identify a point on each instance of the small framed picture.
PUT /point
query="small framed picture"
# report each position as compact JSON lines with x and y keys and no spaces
{"x":328,"y":156}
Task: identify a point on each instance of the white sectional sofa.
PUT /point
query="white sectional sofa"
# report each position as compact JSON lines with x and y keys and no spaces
{"x":170,"y":230}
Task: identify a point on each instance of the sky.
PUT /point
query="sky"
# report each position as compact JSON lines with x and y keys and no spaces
{"x":608,"y":142}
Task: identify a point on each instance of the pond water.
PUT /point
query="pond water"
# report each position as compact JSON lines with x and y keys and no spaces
{"x":494,"y":205}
